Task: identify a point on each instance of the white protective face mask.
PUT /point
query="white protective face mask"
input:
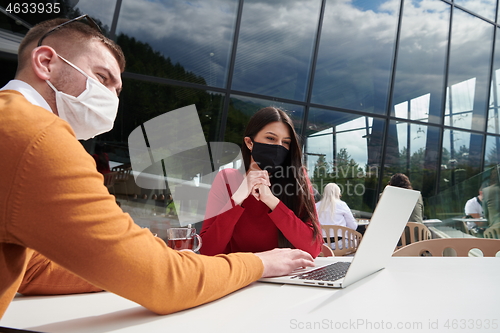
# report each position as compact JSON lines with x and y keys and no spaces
{"x":92,"y":113}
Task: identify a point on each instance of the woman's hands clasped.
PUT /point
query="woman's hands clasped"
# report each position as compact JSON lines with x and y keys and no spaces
{"x":256,"y":183}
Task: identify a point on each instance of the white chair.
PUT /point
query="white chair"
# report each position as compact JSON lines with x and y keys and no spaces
{"x":414,"y":232}
{"x":326,"y":251}
{"x":349,"y":242}
{"x":440,"y":247}
{"x":492,"y":232}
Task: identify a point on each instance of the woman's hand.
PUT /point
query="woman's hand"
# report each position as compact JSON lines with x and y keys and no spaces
{"x":263,"y":193}
{"x":252,"y":179}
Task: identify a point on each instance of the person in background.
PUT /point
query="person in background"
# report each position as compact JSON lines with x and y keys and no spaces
{"x":474,"y":206}
{"x":271,"y":204}
{"x":333,"y":211}
{"x":101,"y":159}
{"x":401,"y":180}
{"x":74,"y":238}
{"x":491,"y":199}
{"x":474,"y":209}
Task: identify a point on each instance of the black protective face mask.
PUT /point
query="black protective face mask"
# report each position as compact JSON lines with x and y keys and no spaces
{"x":269,"y":157}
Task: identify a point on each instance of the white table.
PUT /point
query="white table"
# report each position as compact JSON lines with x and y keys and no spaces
{"x":471,"y":219}
{"x":419,"y":294}
{"x":480,"y":222}
{"x":431,"y":221}
{"x":364,"y":222}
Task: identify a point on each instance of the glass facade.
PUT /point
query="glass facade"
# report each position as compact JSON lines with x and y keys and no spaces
{"x":185,"y":41}
{"x":355,"y":54}
{"x":469,"y":71}
{"x":345,"y":149}
{"x":275,"y":48}
{"x":373,"y":87}
{"x":419,"y":85}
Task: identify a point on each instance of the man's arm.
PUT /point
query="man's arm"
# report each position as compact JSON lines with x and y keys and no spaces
{"x":43,"y":276}
{"x":76,"y":223}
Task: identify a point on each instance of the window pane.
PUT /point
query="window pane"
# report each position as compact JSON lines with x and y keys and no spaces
{"x":241,"y":109}
{"x":141,"y":101}
{"x":418,"y":85}
{"x":449,"y":206}
{"x":345,"y":149}
{"x":493,"y":119}
{"x":484,"y":8}
{"x":181,"y":40}
{"x":148,"y":201}
{"x":355,"y":55}
{"x":498,"y":12}
{"x":99,"y":10}
{"x":492,"y":153}
{"x":461,"y":157}
{"x":468,"y":82}
{"x":412,"y":150}
{"x":275,"y":47}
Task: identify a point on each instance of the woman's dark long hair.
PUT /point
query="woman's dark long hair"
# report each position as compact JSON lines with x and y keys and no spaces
{"x":291,"y":178}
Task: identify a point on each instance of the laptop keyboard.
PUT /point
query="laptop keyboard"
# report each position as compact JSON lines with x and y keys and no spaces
{"x":331,"y":272}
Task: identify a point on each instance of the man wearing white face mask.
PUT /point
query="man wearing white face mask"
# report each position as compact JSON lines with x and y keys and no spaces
{"x":92,"y":112}
{"x":74,"y":238}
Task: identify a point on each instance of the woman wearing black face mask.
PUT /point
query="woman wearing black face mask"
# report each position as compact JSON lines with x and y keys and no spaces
{"x":271,"y":204}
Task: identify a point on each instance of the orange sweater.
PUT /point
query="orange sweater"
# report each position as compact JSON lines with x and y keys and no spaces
{"x":53,"y":202}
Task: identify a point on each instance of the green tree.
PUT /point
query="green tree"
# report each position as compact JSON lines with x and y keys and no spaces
{"x":321,"y":168}
{"x":493,"y":156}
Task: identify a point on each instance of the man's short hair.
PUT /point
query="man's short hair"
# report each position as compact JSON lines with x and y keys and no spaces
{"x":75,"y":32}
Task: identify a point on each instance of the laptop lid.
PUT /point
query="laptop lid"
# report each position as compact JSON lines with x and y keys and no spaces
{"x":378,"y":243}
{"x":381,"y":237}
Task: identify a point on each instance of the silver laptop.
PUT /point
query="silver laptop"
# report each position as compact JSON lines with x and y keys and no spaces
{"x":379,"y":241}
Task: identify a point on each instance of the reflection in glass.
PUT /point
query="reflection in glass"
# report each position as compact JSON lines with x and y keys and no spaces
{"x":345,"y":149}
{"x":355,"y":55}
{"x":412,"y":150}
{"x":484,"y":8}
{"x":449,"y":204}
{"x":459,"y":112}
{"x":418,"y":85}
{"x":461,"y":157}
{"x":102,"y":11}
{"x":416,"y":109}
{"x":493,"y":119}
{"x":241,"y":109}
{"x":275,"y":47}
{"x":468,"y":81}
{"x":194,"y":38}
{"x":141,"y":101}
{"x":492,"y":152}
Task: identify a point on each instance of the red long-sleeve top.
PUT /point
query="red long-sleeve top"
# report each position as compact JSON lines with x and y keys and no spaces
{"x":251,"y":227}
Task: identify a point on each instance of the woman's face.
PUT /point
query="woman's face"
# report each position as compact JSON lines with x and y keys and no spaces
{"x":276,"y":133}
